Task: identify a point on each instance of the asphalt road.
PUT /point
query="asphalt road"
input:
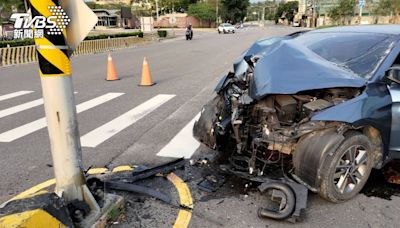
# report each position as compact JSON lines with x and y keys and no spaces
{"x":186,"y":69}
{"x":185,"y":72}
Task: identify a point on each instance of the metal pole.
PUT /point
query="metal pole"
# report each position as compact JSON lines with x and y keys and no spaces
{"x":263,"y":17}
{"x":59,"y":104}
{"x":63,"y":132}
{"x":157,"y":9}
{"x":216,"y":14}
{"x":26,"y":5}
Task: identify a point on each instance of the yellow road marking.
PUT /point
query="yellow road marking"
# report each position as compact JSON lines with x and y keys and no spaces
{"x":34,"y":218}
{"x":97,"y":171}
{"x":122,"y":168}
{"x":34,"y":190}
{"x":185,"y":197}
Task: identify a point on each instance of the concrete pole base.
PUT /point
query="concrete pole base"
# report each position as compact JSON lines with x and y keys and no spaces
{"x":112,"y":208}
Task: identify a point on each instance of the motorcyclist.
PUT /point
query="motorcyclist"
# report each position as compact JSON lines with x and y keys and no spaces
{"x":189,"y":27}
{"x":189,"y":32}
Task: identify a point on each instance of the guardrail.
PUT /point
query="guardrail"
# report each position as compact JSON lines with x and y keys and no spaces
{"x":17,"y":55}
{"x":27,"y":54}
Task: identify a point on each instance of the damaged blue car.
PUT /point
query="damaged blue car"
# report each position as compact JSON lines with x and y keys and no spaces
{"x":321,"y":108}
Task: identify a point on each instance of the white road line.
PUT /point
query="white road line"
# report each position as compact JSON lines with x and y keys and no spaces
{"x":183,"y":144}
{"x":36,"y":125}
{"x":20,"y":108}
{"x":12,"y":95}
{"x":106,"y":131}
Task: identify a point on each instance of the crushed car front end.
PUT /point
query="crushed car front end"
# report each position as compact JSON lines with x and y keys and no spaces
{"x":296,"y":110}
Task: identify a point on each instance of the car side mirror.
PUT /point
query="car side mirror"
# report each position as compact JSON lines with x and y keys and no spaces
{"x":393,"y":74}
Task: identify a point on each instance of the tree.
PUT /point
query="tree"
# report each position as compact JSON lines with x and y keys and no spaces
{"x":148,"y":8}
{"x":169,"y":6}
{"x":268,"y":7}
{"x":203,"y":11}
{"x":8,"y":6}
{"x":184,"y":5}
{"x":387,"y":8}
{"x":234,"y":10}
{"x":344,"y":9}
{"x":287,"y":10}
{"x":111,"y":6}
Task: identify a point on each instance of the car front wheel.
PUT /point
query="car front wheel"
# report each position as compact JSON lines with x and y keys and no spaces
{"x":346,"y":170}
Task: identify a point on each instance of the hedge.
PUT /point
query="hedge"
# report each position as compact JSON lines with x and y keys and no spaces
{"x":116,"y":35}
{"x":162,"y":33}
{"x":16,"y":43}
{"x":25,"y":42}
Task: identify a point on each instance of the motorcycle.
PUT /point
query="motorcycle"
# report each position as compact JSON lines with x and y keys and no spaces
{"x":189,"y":34}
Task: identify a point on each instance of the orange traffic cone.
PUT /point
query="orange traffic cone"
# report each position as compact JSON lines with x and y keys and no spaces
{"x":146,"y":75}
{"x":111,"y":72}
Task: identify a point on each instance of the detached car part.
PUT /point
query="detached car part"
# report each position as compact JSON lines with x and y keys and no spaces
{"x":292,"y":199}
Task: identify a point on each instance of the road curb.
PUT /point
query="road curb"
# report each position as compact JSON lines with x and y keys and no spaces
{"x":42,"y":210}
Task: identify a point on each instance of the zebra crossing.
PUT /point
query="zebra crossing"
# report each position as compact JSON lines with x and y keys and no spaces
{"x":102,"y":133}
{"x":181,"y":145}
{"x":26,"y":129}
{"x":15,"y":94}
{"x":91,"y":139}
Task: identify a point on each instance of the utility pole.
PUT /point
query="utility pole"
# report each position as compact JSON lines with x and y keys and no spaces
{"x":216,"y":14}
{"x":58,"y":95}
{"x":157,"y":9}
{"x":263,"y":17}
{"x":361,"y":4}
{"x":314,"y":14}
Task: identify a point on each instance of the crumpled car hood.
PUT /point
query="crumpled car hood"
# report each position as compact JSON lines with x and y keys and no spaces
{"x":287,"y":67}
{"x":240,"y":65}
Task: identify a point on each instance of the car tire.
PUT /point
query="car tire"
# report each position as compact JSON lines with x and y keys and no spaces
{"x":224,"y":31}
{"x":345,"y":171}
{"x":233,"y":31}
{"x":219,"y":32}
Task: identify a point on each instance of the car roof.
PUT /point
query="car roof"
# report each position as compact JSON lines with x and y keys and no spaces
{"x":382,"y":29}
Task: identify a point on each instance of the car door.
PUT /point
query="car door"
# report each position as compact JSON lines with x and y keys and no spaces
{"x":395,"y":132}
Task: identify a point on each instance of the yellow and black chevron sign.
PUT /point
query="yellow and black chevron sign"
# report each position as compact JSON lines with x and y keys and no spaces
{"x":52,"y":50}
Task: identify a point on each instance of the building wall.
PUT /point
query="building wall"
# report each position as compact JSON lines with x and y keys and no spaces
{"x":324,"y":6}
{"x":104,"y":2}
{"x":182,"y":21}
{"x":302,"y":7}
{"x":325,"y":20}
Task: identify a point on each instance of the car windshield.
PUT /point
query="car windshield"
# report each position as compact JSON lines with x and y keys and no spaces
{"x":361,"y":53}
{"x":227,"y":25}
